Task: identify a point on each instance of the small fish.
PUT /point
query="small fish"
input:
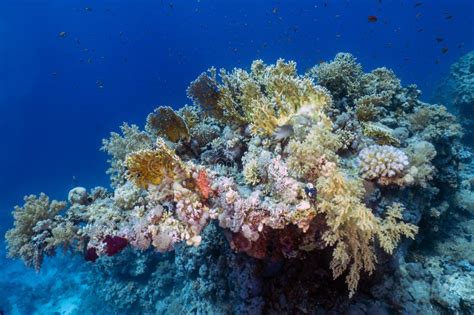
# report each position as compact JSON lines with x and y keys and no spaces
{"x":418,"y":15}
{"x":372,"y":18}
{"x":437,"y":61}
{"x":420,"y":30}
{"x":88,"y":9}
{"x":275,"y":10}
{"x":62,"y":34}
{"x":311,"y":191}
{"x":283,"y":132}
{"x":449,"y":17}
{"x":439,"y":39}
{"x":418,"y":4}
{"x":444,"y":50}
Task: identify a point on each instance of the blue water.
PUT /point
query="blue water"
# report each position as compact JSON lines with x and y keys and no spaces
{"x":118,"y":60}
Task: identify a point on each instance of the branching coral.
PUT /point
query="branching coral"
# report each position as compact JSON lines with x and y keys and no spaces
{"x":118,"y":147}
{"x":27,"y":239}
{"x":340,"y":76}
{"x":241,"y":99}
{"x":352,"y":227}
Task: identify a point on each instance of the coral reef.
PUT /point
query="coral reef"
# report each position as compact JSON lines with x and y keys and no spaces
{"x":267,"y":170}
{"x":456,"y":91}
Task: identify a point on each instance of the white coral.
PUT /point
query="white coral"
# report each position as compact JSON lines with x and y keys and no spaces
{"x":126,"y":196}
{"x":379,"y":161}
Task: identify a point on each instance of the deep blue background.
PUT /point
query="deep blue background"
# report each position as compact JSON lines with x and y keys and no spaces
{"x":53,"y":114}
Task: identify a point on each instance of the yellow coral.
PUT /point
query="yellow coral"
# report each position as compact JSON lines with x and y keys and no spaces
{"x":307,"y":158}
{"x":151,"y":166}
{"x":266,"y":98}
{"x":380,"y":133}
{"x":352,"y":226}
{"x":391,"y":229}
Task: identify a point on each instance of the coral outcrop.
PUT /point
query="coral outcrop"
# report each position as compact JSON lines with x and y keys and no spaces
{"x":334,"y":168}
{"x":456,"y":91}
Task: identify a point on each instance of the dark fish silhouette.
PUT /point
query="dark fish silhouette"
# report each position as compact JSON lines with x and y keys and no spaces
{"x":418,"y":4}
{"x":439,"y":39}
{"x":444,"y":50}
{"x":372,"y":18}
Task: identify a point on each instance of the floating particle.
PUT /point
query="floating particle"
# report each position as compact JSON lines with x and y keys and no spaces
{"x":275,"y":10}
{"x":88,"y":9}
{"x":372,"y":18}
{"x":62,"y":34}
{"x":444,"y":50}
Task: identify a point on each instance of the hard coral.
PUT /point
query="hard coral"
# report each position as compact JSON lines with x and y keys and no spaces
{"x":382,"y":163}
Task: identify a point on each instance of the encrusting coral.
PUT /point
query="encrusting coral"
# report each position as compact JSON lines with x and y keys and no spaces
{"x":287,"y":168}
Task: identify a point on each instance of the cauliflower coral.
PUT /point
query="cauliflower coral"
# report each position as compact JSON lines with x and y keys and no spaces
{"x":382,"y":162}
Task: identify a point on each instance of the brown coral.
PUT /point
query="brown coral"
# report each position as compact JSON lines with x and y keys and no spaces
{"x":165,"y":122}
